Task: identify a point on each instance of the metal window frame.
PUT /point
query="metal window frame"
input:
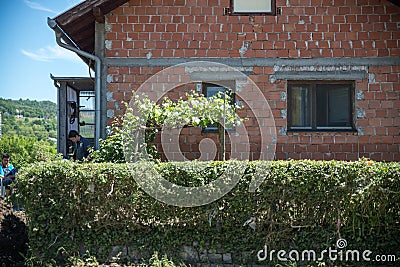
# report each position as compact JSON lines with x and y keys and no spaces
{"x":313,"y":84}
{"x":80,"y":110}
{"x":255,"y":13}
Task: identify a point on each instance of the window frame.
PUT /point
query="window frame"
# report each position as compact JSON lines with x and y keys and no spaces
{"x":255,"y":13}
{"x":83,"y":109}
{"x":313,"y":87}
{"x":229,"y":88}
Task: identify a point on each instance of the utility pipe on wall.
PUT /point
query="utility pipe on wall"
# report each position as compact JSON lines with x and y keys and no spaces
{"x":59,"y":32}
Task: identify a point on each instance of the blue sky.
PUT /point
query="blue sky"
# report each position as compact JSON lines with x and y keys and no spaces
{"x":29,"y":52}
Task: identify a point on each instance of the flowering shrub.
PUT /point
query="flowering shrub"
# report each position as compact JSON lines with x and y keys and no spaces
{"x":148,"y":117}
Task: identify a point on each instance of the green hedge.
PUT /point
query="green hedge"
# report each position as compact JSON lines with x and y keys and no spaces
{"x":300,"y":205}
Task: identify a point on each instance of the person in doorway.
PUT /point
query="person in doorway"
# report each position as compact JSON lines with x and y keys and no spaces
{"x":81,"y":145}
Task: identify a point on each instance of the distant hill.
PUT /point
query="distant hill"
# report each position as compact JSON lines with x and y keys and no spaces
{"x":29,"y":118}
{"x":28,"y":108}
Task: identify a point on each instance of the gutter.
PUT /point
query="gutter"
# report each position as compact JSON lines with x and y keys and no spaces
{"x":61,"y":34}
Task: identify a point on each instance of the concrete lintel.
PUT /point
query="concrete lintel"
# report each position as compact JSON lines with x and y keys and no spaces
{"x":262,"y":62}
{"x":217,"y":76}
{"x":324,"y":75}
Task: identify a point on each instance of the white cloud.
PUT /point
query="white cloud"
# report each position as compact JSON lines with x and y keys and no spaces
{"x":38,"y":6}
{"x":51,"y":53}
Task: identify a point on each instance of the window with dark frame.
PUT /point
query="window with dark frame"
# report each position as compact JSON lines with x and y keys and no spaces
{"x":253,"y":7}
{"x":315,"y":105}
{"x":87,"y":114}
{"x":209,"y":90}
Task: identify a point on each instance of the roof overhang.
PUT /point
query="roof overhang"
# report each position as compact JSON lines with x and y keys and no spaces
{"x":77,"y":25}
{"x":76,"y":83}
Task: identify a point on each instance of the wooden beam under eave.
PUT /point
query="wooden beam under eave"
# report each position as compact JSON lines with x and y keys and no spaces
{"x":85,"y":9}
{"x":81,"y":23}
{"x":85,"y":39}
{"x":98,"y":14}
{"x":75,"y":14}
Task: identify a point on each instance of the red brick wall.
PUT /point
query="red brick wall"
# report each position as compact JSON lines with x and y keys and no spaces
{"x":305,"y":29}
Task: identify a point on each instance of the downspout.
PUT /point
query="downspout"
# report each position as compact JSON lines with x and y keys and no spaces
{"x":59,"y":34}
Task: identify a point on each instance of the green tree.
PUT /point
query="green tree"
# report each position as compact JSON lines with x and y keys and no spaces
{"x":25,"y":150}
{"x":39,"y":118}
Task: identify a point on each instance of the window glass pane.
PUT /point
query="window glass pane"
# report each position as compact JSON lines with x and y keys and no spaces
{"x":87,"y":131}
{"x":249,"y":6}
{"x":339,"y":108}
{"x":322,"y":106}
{"x":213,"y":90}
{"x":300,"y":106}
{"x":86,"y":100}
{"x":86,"y":117}
{"x":87,"y":114}
{"x":333,"y":105}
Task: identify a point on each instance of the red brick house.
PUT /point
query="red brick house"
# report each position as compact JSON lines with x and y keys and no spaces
{"x":329,"y":69}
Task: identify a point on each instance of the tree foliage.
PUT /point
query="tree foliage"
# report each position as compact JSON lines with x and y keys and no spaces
{"x":28,"y":108}
{"x":37,"y":128}
{"x":29,"y":118}
{"x":111,"y":148}
{"x":25,"y":150}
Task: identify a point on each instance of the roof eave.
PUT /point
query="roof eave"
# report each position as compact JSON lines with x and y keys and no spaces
{"x":78,"y":23}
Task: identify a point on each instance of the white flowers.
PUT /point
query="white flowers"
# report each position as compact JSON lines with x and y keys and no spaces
{"x":196,"y":110}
